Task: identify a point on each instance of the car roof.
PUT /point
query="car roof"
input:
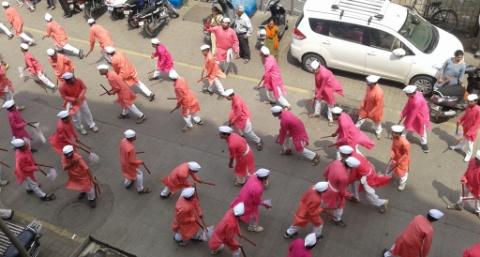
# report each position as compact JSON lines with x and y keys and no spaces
{"x":359,"y":12}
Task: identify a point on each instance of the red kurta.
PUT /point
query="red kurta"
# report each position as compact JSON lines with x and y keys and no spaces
{"x":64,"y":135}
{"x":297,"y":249}
{"x":417,"y":114}
{"x":415,"y":240}
{"x":5,"y":83}
{"x":473,"y":251}
{"x":225,"y":232}
{"x":400,"y":155}
{"x":128,"y":159}
{"x":309,"y":209}
{"x":73,"y":93}
{"x":187,"y":217}
{"x":239,"y":114}
{"x":125,"y":96}
{"x":337,"y":176}
{"x":185,"y":97}
{"x":373,"y":104}
{"x":33,"y":66}
{"x":24,"y":165}
{"x":101,"y":35}
{"x":242,"y":154}
{"x":251,"y":195}
{"x":350,"y":135}
{"x":326,"y":85}
{"x":178,"y":178}
{"x":123,"y":67}
{"x":472,"y":178}
{"x":78,"y":174}
{"x":292,"y":126}
{"x":14,"y":18}
{"x":61,"y":65}
{"x":470,"y":122}
{"x":57,"y":33}
{"x":17,"y":124}
{"x":367,"y":169}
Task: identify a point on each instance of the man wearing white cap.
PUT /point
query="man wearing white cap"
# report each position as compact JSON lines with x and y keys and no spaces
{"x":73,"y":91}
{"x":164,"y":59}
{"x":326,"y":85}
{"x":226,"y":231}
{"x":186,"y":101}
{"x":470,"y":122}
{"x":64,"y":134}
{"x":251,"y":195}
{"x":415,"y":115}
{"x":470,"y":186}
{"x":59,"y":36}
{"x":239,"y":118}
{"x":416,"y":239}
{"x":35,"y":68}
{"x":60,"y":63}
{"x":309,"y":211}
{"x":372,"y":105}
{"x":240,"y":153}
{"x":178,"y":178}
{"x":130,"y":164}
{"x":302,"y":247}
{"x":226,"y":42}
{"x":80,"y":178}
{"x":211,"y":73}
{"x":25,"y":167}
{"x":187,"y":222}
{"x":123,"y":67}
{"x":100,"y":34}
{"x":272,"y":80}
{"x":6,"y":85}
{"x":399,"y":163}
{"x":125,"y":96}
{"x":16,"y":22}
{"x":292,"y":129}
{"x":243,"y":28}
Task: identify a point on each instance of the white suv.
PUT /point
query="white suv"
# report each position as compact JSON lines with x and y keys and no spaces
{"x":372,"y":37}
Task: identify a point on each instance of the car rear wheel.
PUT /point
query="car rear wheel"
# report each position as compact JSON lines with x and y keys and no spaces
{"x":309,"y":58}
{"x":424,"y":84}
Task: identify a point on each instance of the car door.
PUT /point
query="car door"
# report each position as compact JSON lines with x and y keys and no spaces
{"x":380,"y":59}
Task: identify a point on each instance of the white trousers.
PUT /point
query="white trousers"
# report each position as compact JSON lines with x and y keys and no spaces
{"x":132,"y":109}
{"x":369,"y":197}
{"x":378,"y":126}
{"x":26,"y":38}
{"x":318,"y":109}
{"x":389,"y":252}
{"x":281,"y":98}
{"x":468,"y":194}
{"x":200,"y":235}
{"x":401,"y":180}
{"x":83,"y":114}
{"x":106,"y":56}
{"x":217,"y":85}
{"x":247,"y":131}
{"x":46,"y":81}
{"x":91,"y":195}
{"x":32,"y":185}
{"x":138,"y":181}
{"x":294,"y":229}
{"x":465,"y":143}
{"x":141,"y":88}
{"x":69,"y":48}
{"x":160,"y":74}
{"x":5,"y":30}
{"x":165,"y":191}
{"x":192,"y":118}
{"x":423,"y":138}
{"x":306,"y":152}
{"x":337,"y":214}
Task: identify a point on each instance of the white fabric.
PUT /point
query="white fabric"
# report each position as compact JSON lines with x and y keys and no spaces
{"x":337,"y":214}
{"x":155,"y":41}
{"x":276,"y":109}
{"x":434,"y":213}
{"x":141,"y":88}
{"x":398,"y":128}
{"x":50,"y":51}
{"x":5,"y":213}
{"x":165,"y":191}
{"x":8,"y":104}
{"x":48,"y":17}
{"x":190,"y":119}
{"x":26,"y":38}
{"x":465,"y":143}
{"x":83,"y":114}
{"x":321,"y":186}
{"x":226,"y":19}
{"x":337,"y":110}
{"x":17,"y":142}
{"x":109,"y":49}
{"x":310,"y":239}
{"x":265,"y":51}
{"x":62,"y":114}
{"x":91,"y":194}
{"x":24,"y":46}
{"x":157,"y":74}
{"x":217,"y":85}
{"x":67,"y":75}
{"x":237,"y":253}
{"x":132,"y":109}
{"x":378,"y":126}
{"x":194,"y":166}
{"x":389,"y":252}
{"x":46,"y":81}
{"x":477,"y":155}
{"x":90,"y":21}
{"x":229,"y":91}
{"x":403,"y":180}
{"x":225,"y":129}
{"x":67,"y":149}
{"x":138,"y":181}
{"x":204,"y":47}
{"x":472,"y":97}
{"x":339,"y":156}
{"x":345,"y":149}
{"x":239,"y":209}
{"x":172,"y":74}
{"x":476,"y":202}
{"x":5,"y":4}
{"x":69,"y":48}
{"x":247,"y":131}
{"x":352,"y":162}
{"x":129,"y":133}
{"x":102,"y":67}
{"x":317,"y":230}
{"x":32,"y":185}
{"x":369,"y":195}
{"x":5,"y":30}
{"x":281,"y":98}
{"x":315,"y":64}
{"x":318,"y":109}
{"x":187,"y":192}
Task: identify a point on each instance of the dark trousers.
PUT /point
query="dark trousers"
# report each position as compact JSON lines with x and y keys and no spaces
{"x":51,"y":2}
{"x":65,"y":7}
{"x":244,"y":47}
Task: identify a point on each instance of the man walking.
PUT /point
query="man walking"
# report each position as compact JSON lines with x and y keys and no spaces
{"x":35,"y":68}
{"x":240,"y":153}
{"x":164,"y":60}
{"x":187,"y":222}
{"x":239,"y":118}
{"x":73,"y":91}
{"x":60,"y":63}
{"x":416,"y":239}
{"x":415,"y":115}
{"x":178,"y":178}
{"x":59,"y":36}
{"x":302,"y":247}
{"x":130,"y":164}
{"x":470,"y":186}
{"x":470,"y":122}
{"x":64,"y":134}
{"x":243,"y":28}
{"x":100,"y":34}
{"x":211,"y":73}
{"x":309,"y":211}
{"x":226,"y":231}
{"x":272,"y":80}
{"x":226,"y":42}
{"x":16,"y":21}
{"x":292,"y":129}
{"x":372,"y":105}
{"x":6,"y":86}
{"x":123,"y":67}
{"x":251,"y":195}
{"x":399,"y":163}
{"x":17,"y":123}
{"x":125,"y":96}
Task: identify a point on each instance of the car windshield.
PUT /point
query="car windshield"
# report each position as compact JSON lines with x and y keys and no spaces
{"x":419,"y":32}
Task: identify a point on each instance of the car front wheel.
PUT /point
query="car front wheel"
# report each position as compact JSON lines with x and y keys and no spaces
{"x":424,"y":84}
{"x":308,"y":59}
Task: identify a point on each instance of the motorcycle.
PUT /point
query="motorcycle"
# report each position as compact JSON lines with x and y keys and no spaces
{"x":133,"y":7}
{"x":29,"y":238}
{"x":153,"y":18}
{"x":115,"y":8}
{"x":94,"y":9}
{"x":279,"y":16}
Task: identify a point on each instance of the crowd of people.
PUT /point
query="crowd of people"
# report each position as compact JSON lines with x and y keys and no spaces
{"x":351,"y":176}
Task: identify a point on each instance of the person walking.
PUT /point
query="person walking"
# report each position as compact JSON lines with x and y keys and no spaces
{"x":64,"y":134}
{"x":59,"y":36}
{"x":272,"y":80}
{"x":187,"y":222}
{"x":16,"y":22}
{"x":226,"y":43}
{"x":226,"y":231}
{"x":97,"y":33}
{"x":35,"y":68}
{"x":470,"y":122}
{"x":399,"y":163}
{"x":60,"y":63}
{"x":178,"y":178}
{"x":130,"y":164}
{"x":211,"y":73}
{"x":470,"y":182}
{"x":302,"y":247}
{"x":164,"y":60}
{"x":243,"y":28}
{"x":16,"y":122}
{"x":372,"y":106}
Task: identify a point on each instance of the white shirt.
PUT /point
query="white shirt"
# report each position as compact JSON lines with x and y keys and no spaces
{"x":243,"y":24}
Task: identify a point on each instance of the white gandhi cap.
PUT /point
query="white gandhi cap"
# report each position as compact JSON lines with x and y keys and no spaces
{"x":62,"y":114}
{"x":67,"y":149}
{"x":155,"y":41}
{"x":321,"y":186}
{"x":48,"y":16}
{"x":472,"y":97}
{"x":50,"y":51}
{"x":265,"y":51}
{"x":17,"y":142}
{"x":352,"y":162}
{"x":102,"y":67}
{"x":315,"y":64}
{"x":398,"y":128}
{"x":226,"y":19}
{"x":345,"y":149}
{"x":24,"y":46}
{"x":410,"y":89}
{"x":436,"y":214}
{"x":194,"y":166}
{"x":372,"y":79}
{"x":109,"y":49}
{"x":239,"y":209}
{"x":337,"y":110}
{"x":67,"y":75}
{"x":91,"y":20}
{"x":129,"y":133}
{"x":262,"y":173}
{"x":8,"y":104}
{"x":187,"y":192}
{"x":229,"y":92}
{"x":276,"y":109}
{"x":225,"y":129}
{"x":310,"y":240}
{"x":5,"y":4}
{"x":172,"y":74}
{"x":204,"y":47}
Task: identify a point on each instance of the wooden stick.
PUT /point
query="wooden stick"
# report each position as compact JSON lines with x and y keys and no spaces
{"x":139,"y":152}
{"x":246,"y":239}
{"x":5,"y":150}
{"x":43,"y":172}
{"x":84,"y":145}
{"x":4,"y":164}
{"x":171,"y":98}
{"x":146,"y":168}
{"x":43,"y":165}
{"x":200,"y":80}
{"x":243,"y":251}
{"x":84,"y":149}
{"x":207,"y":183}
{"x":326,"y":137}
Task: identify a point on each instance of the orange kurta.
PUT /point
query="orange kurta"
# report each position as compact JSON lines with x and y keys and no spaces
{"x":178,"y":178}
{"x":125,"y":96}
{"x":415,"y":240}
{"x":101,"y":35}
{"x":64,"y":135}
{"x":61,"y":65}
{"x":73,"y":94}
{"x":185,"y":98}
{"x":57,"y":33}
{"x":400,"y":155}
{"x":78,"y":173}
{"x":25,"y":166}
{"x":373,"y":104}
{"x":309,"y":209}
{"x":5,"y":83}
{"x":124,"y":68}
{"x":211,"y":69}
{"x":187,"y":217}
{"x":128,"y":159}
{"x":14,"y":18}
{"x":225,"y":232}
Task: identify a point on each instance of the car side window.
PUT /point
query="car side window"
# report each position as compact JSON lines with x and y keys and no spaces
{"x":386,"y":41}
{"x":318,"y":26}
{"x":346,"y":31}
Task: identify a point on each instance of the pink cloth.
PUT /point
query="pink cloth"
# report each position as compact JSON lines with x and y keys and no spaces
{"x":165,"y":60}
{"x":239,"y":113}
{"x":297,"y":249}
{"x":226,"y":39}
{"x":470,"y":122}
{"x":325,"y":85}
{"x":17,"y":124}
{"x":350,"y":135}
{"x":272,"y":79}
{"x":417,"y":114}
{"x":473,"y":251}
{"x":25,"y":166}
{"x":337,"y":176}
{"x":33,"y":66}
{"x":292,"y":126}
{"x":251,"y":195}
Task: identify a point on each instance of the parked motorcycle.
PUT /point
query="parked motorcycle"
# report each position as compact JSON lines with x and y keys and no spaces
{"x":279,"y":16}
{"x":29,"y":238}
{"x":153,"y":18}
{"x":133,"y":7}
{"x":94,"y":8}
{"x":115,"y":8}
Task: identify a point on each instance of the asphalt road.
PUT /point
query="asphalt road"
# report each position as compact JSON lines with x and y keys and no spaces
{"x":141,"y":224}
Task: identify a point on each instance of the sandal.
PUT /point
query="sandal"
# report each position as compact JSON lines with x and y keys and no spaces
{"x":145,"y":190}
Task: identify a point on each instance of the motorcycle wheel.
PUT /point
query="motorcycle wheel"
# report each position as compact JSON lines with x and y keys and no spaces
{"x":151,"y":29}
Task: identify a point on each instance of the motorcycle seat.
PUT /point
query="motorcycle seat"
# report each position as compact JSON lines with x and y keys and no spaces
{"x":452,"y":90}
{"x":26,"y":238}
{"x":148,"y":10}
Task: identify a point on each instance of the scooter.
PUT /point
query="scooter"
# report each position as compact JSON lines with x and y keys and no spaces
{"x":115,"y":8}
{"x":279,"y":16}
{"x":30,"y":240}
{"x":94,"y":8}
{"x":153,"y":18}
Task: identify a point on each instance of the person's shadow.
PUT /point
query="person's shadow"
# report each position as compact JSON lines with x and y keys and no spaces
{"x":446,"y":137}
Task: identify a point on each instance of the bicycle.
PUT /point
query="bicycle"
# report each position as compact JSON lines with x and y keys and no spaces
{"x":444,"y":18}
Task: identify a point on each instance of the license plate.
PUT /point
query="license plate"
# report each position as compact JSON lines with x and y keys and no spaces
{"x":141,"y":23}
{"x":126,"y":12}
{"x":110,"y":9}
